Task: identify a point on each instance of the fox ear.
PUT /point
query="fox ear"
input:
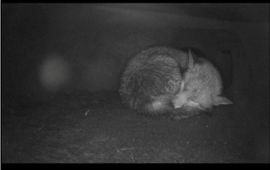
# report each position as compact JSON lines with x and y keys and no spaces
{"x":219,"y":100}
{"x":190,"y":59}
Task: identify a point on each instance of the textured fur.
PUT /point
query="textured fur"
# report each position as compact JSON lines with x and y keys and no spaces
{"x":201,"y":87}
{"x":163,"y":80}
{"x":152,"y":78}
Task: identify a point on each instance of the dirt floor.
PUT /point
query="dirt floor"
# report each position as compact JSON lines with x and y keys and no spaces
{"x":97,"y":128}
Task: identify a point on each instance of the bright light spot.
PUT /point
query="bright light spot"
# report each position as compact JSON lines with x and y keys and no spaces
{"x":54,"y":73}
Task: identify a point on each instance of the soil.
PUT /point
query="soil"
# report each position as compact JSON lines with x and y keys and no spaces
{"x":98,"y":128}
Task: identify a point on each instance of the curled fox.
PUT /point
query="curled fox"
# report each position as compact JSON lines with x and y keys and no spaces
{"x":165,"y":80}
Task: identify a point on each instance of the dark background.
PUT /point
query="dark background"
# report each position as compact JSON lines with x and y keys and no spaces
{"x":96,"y":40}
{"x":87,"y":46}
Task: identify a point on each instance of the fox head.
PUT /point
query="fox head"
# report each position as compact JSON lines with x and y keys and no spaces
{"x":187,"y":91}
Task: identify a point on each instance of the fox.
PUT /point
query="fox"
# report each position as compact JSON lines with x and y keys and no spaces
{"x":200,"y":88}
{"x":164,"y":80}
{"x":151,"y":79}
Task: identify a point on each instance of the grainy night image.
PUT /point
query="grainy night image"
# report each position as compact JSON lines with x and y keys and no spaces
{"x":99,"y":83}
